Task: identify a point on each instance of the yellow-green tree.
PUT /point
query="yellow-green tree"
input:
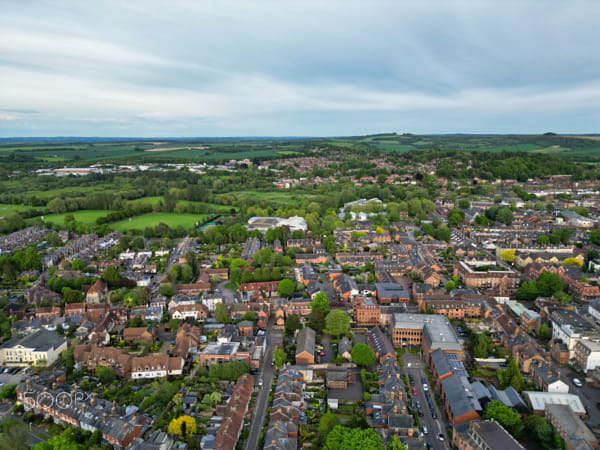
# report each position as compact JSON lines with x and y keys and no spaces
{"x":508,"y":255}
{"x":183,"y":426}
{"x":572,"y":262}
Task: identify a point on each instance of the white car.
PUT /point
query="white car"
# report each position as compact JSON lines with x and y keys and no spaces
{"x":425,"y":430}
{"x":260,"y":381}
{"x":577,"y":382}
{"x":425,"y":387}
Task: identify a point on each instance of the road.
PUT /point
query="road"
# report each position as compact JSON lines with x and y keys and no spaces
{"x":173,"y":259}
{"x":415,"y":367}
{"x":589,"y":396}
{"x":229,"y":297}
{"x":273,"y":338}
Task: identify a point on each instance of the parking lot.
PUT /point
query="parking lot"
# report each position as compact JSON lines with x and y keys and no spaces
{"x":13,"y":376}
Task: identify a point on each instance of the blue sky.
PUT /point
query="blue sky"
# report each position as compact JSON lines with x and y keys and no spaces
{"x":298,"y":68}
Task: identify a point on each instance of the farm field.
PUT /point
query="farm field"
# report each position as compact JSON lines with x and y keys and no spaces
{"x":173,"y":220}
{"x":85,"y":216}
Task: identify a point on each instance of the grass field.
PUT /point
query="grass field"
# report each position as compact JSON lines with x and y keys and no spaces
{"x":7,"y":209}
{"x":85,"y":216}
{"x":173,"y":220}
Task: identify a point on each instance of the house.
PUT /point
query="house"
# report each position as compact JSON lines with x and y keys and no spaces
{"x":546,"y":378}
{"x":237,"y":407}
{"x":483,"y":435}
{"x":569,"y":426}
{"x":366,"y":311}
{"x":196,"y":311}
{"x":97,"y":292}
{"x":305,"y":348}
{"x":118,"y":426}
{"x":587,"y":355}
{"x":381,"y":344}
{"x":345,"y":348}
{"x":460,"y":403}
{"x":41,"y":347}
{"x":155,"y":366}
{"x":337,"y":378}
{"x":391,"y":293}
{"x":132,"y":335}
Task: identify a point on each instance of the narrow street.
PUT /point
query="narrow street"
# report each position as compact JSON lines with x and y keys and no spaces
{"x":414,"y":366}
{"x":273,"y":338}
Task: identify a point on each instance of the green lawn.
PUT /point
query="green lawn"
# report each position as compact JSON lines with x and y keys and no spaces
{"x":173,"y":220}
{"x":213,"y":206}
{"x":85,"y":216}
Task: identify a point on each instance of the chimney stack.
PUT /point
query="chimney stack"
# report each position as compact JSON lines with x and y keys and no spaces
{"x":93,"y":400}
{"x":83,"y":407}
{"x":104,"y":417}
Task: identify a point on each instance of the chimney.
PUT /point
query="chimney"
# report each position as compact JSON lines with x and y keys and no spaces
{"x":134,"y":418}
{"x":54,"y":385}
{"x":83,"y":407}
{"x":104,"y":417}
{"x":93,"y":400}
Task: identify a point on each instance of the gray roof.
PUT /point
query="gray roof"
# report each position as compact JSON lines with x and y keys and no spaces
{"x":448,"y":363}
{"x":306,"y":341}
{"x":41,"y":341}
{"x":460,"y":396}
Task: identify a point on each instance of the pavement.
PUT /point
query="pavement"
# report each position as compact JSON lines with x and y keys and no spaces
{"x":273,"y":338}
{"x":434,"y":426}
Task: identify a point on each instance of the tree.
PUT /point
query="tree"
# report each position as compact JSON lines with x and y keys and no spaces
{"x":508,"y":255}
{"x":574,"y":262}
{"x":482,"y":345}
{"x":183,"y":426}
{"x":327,"y":423}
{"x":317,"y":319}
{"x":8,"y":391}
{"x":540,"y":429}
{"x":105,"y":374}
{"x":562,"y":297}
{"x":280,"y":357}
{"x":505,"y":216}
{"x":221,"y":313}
{"x":174,"y":324}
{"x":527,"y":291}
{"x":511,"y":376}
{"x":292,"y":323}
{"x":464,"y":203}
{"x":507,"y":417}
{"x":342,"y":438}
{"x":362,"y":355}
{"x":450,"y":285}
{"x":276,"y":274}
{"x":543,"y":332}
{"x":286,"y":288}
{"x":595,"y":236}
{"x":548,"y":283}
{"x":111,"y":277}
{"x":249,"y":315}
{"x":337,"y":322}
{"x":167,"y":289}
{"x":396,"y":444}
{"x":77,"y":264}
{"x":542,"y":240}
{"x":320,"y":301}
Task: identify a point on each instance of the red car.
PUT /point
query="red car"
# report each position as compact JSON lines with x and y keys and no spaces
{"x":321,"y":353}
{"x":414,"y":391}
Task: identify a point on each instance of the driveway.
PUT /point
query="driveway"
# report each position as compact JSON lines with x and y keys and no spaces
{"x":229,"y":296}
{"x":327,"y":348}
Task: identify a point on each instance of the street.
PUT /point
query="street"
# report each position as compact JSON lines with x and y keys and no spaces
{"x":589,"y":396}
{"x":415,"y":367}
{"x":273,"y":338}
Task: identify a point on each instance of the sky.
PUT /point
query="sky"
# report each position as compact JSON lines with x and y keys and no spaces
{"x":298,"y":68}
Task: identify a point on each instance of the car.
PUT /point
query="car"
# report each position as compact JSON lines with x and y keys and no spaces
{"x":418,"y":403}
{"x":272,"y":362}
{"x":425,"y":430}
{"x":321,"y":353}
{"x":425,"y":387}
{"x":420,"y":412}
{"x":440,"y":437}
{"x":218,"y":291}
{"x":260,"y":381}
{"x":429,"y":446}
{"x":433,"y":415}
{"x":577,"y":382}
{"x":414,"y":391}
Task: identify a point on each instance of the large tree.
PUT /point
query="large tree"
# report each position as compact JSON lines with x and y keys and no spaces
{"x":362,"y":355}
{"x":548,"y":283}
{"x":511,"y":376}
{"x":320,"y":301}
{"x":111,"y":277}
{"x":279,"y":357}
{"x":292,"y":323}
{"x":317,"y":319}
{"x":327,"y":422}
{"x":342,"y":438}
{"x":540,"y":429}
{"x":507,"y":417}
{"x":221,"y":313}
{"x":337,"y":322}
{"x":286,"y":288}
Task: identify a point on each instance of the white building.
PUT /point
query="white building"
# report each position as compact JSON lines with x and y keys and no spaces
{"x":42,"y":345}
{"x":587,"y":355}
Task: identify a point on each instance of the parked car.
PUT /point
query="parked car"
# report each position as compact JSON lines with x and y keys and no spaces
{"x":425,"y":430}
{"x":260,"y":381}
{"x":577,"y":382}
{"x":440,"y":437}
{"x":433,"y":414}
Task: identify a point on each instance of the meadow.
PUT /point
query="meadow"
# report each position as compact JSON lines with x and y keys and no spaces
{"x":85,"y":216}
{"x":173,"y":220}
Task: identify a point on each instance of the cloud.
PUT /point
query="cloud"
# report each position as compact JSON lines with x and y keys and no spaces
{"x":257,"y":68}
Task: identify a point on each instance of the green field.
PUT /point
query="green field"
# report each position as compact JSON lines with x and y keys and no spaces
{"x":85,"y":216}
{"x":7,"y":209}
{"x":173,"y":220}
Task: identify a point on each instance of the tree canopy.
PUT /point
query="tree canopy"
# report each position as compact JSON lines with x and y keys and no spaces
{"x":362,"y":355}
{"x":320,"y":301}
{"x":342,"y":438}
{"x":286,"y":288}
{"x":507,"y":417}
{"x":337,"y":322}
